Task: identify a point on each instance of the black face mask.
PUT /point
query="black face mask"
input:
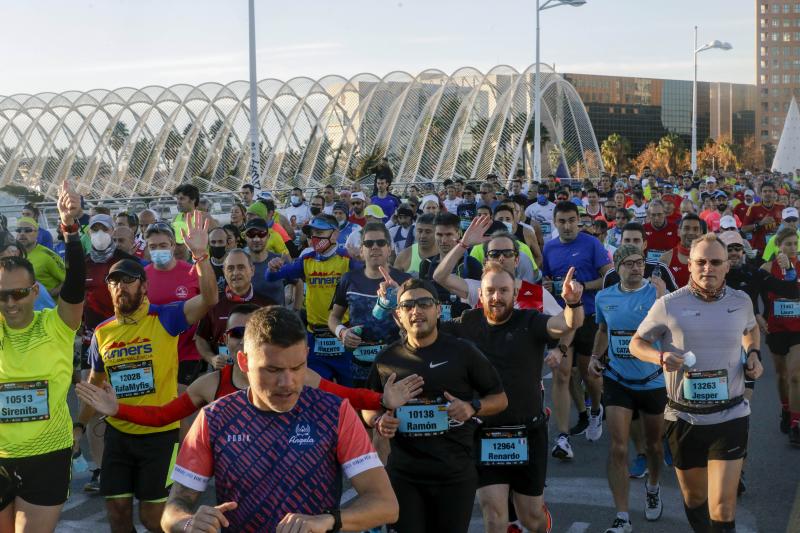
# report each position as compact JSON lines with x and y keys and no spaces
{"x":217,"y":252}
{"x":316,"y":210}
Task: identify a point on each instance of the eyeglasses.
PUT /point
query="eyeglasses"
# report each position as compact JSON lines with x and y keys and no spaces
{"x":379,"y":242}
{"x":254,"y":233}
{"x":24,"y":230}
{"x":236,"y":333}
{"x":508,"y":253}
{"x":703,"y":262}
{"x":735,"y":248}
{"x":15,"y":294}
{"x":124,"y":280}
{"x":423,"y":303}
{"x":633,"y":263}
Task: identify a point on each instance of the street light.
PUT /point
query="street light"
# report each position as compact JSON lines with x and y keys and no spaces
{"x":537,"y":134}
{"x":255,"y":145}
{"x":713,"y":44}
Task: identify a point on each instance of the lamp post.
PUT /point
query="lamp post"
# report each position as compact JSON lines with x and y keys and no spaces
{"x":713,"y":44}
{"x":255,"y":151}
{"x":537,"y":105}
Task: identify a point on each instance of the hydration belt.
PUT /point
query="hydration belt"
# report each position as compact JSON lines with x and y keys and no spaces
{"x":705,"y":409}
{"x":642,"y":381}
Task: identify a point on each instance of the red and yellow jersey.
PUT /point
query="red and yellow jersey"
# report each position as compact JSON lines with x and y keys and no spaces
{"x":322,"y":275}
{"x":139,"y":355}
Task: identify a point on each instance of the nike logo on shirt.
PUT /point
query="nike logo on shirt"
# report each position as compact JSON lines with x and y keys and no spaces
{"x":733,"y":310}
{"x":437,"y":364}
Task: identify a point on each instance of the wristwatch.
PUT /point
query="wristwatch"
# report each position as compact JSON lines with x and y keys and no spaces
{"x":476,"y":404}
{"x":337,"y":519}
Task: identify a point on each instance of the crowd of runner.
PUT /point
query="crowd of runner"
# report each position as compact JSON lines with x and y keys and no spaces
{"x":399,"y":340}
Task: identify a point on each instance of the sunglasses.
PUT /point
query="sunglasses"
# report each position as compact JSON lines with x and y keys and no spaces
{"x":735,"y":248}
{"x":425,"y":302}
{"x":507,"y":253}
{"x":15,"y":294}
{"x":236,"y":333}
{"x":124,"y":280}
{"x":703,"y":262}
{"x":24,"y":230}
{"x":379,"y":242}
{"x":253,"y":233}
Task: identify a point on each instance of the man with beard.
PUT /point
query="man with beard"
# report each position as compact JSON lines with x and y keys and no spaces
{"x":401,"y":235}
{"x":690,"y":228}
{"x":136,"y":351}
{"x":35,"y":376}
{"x":425,"y":246}
{"x":356,"y":295}
{"x":103,"y":255}
{"x":431,"y":465}
{"x":514,"y":341}
{"x":255,"y":235}
{"x":358,"y":202}
{"x":707,"y":415}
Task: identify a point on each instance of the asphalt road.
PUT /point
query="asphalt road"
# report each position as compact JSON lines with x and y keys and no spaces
{"x":578,"y":495}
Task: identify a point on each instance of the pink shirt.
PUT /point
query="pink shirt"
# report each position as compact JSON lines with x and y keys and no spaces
{"x":179,"y":284}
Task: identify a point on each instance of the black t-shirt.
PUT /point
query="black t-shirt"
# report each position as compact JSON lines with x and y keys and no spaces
{"x":516,"y":349}
{"x":449,"y":364}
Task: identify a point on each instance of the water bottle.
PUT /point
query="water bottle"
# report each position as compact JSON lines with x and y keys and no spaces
{"x":384,"y":306}
{"x":79,"y":464}
{"x":791,"y":273}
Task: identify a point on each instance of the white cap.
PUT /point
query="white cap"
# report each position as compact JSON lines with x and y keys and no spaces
{"x":749,"y":192}
{"x":727,"y":222}
{"x":632,"y":177}
{"x":358,"y":196}
{"x":711,"y":179}
{"x":789,"y":212}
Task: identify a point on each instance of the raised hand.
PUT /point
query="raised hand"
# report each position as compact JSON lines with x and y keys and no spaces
{"x":103,"y":399}
{"x":396,"y":394}
{"x":572,"y":290}
{"x":386,"y":283}
{"x":196,"y":237}
{"x":69,"y":204}
{"x":474,"y":234}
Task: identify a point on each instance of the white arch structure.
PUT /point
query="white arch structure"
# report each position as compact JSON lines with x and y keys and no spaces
{"x":432,"y":126}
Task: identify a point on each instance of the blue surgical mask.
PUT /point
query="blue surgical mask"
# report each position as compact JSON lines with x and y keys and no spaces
{"x":542,"y":199}
{"x":161,"y":258}
{"x":509,"y":226}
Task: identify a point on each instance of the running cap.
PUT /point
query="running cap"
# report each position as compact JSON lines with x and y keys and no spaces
{"x":374,"y":211}
{"x":711,"y":179}
{"x":28,"y":221}
{"x":625,"y":251}
{"x":341,"y":206}
{"x":126,"y":267}
{"x":105,"y":220}
{"x":257,"y":223}
{"x":321,"y":222}
{"x":358,"y":196}
{"x":749,"y":192}
{"x":259,"y":209}
{"x":727,"y":222}
{"x":789,"y":212}
{"x":730,"y":237}
{"x":404,"y":210}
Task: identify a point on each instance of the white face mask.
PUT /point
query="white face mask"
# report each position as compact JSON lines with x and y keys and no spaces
{"x":295,"y":200}
{"x":509,"y":226}
{"x":101,"y":240}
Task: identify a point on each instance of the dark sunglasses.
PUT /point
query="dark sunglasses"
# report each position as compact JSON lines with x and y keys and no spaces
{"x":15,"y":294}
{"x":425,"y":302}
{"x":379,"y":242}
{"x":507,"y":253}
{"x":735,"y":248}
{"x":255,"y":233}
{"x":24,"y":230}
{"x":236,"y":333}
{"x":124,"y":280}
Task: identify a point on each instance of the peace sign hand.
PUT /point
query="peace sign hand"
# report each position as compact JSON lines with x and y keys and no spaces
{"x":572,"y":290}
{"x":386,"y":283}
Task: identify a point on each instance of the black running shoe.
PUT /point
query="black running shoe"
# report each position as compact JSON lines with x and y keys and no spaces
{"x":580,"y":427}
{"x":742,"y":486}
{"x":785,"y":422}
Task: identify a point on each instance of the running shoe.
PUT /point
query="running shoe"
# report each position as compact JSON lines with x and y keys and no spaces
{"x":620,"y":526}
{"x":742,"y":488}
{"x":513,"y":527}
{"x":580,"y":427}
{"x":595,"y":429}
{"x":794,"y":434}
{"x":785,"y":422}
{"x":563,"y":449}
{"x":667,"y":453}
{"x":639,"y":467}
{"x":94,"y":484}
{"x":653,"y":506}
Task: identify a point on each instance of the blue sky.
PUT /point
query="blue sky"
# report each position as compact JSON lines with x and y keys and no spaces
{"x":56,"y":45}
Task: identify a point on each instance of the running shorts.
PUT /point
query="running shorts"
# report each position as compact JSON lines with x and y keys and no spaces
{"x":692,"y":446}
{"x":38,"y":479}
{"x":525,"y":479}
{"x":649,"y":402}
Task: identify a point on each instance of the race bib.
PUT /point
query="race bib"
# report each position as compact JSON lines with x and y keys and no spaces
{"x":132,"y":379}
{"x":447,"y":312}
{"x":705,"y":386}
{"x":24,"y":401}
{"x":547,"y":229}
{"x":328,"y":346}
{"x":367,"y":353}
{"x":786,"y":308}
{"x":654,"y":255}
{"x":421,"y":418}
{"x":504,"y":446}
{"x":619,"y":341}
{"x":558,"y":284}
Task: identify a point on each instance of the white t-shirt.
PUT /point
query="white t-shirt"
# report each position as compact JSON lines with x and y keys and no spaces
{"x":452,"y":205}
{"x":302,"y":213}
{"x":543,"y":214}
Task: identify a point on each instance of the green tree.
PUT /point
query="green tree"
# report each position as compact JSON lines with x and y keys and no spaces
{"x":670,"y":148}
{"x":171,"y":148}
{"x":119,"y":135}
{"x":614,"y":151}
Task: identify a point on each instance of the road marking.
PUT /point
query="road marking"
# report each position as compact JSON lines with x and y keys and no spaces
{"x":578,"y":527}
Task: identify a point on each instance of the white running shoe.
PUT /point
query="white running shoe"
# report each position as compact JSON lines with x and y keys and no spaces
{"x":653,"y":506}
{"x":595,"y":429}
{"x":620,"y":526}
{"x":563,"y":449}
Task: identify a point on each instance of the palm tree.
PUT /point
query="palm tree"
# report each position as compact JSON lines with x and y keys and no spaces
{"x":614,"y":151}
{"x":118,"y":137}
{"x":670,"y":148}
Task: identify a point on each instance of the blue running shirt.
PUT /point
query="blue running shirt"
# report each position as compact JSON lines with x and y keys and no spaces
{"x":585,"y":253}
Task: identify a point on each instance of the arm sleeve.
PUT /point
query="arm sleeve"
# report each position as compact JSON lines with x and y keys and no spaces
{"x":293,"y":270}
{"x":359,"y":398}
{"x":354,"y":450}
{"x":95,"y":361}
{"x":157,"y":415}
{"x":74,"y":288}
{"x":195,"y":463}
{"x":172,"y":318}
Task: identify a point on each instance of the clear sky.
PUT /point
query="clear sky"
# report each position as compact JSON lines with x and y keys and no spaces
{"x":56,"y":45}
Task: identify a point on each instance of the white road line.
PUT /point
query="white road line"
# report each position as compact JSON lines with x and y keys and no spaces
{"x":578,"y":527}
